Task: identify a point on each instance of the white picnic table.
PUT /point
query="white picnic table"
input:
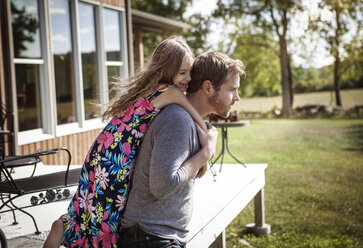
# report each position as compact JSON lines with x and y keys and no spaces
{"x":218,"y":202}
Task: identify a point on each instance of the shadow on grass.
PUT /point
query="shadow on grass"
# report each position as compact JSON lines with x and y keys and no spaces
{"x":355,"y":136}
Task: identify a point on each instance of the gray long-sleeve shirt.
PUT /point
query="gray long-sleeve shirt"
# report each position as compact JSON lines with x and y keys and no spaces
{"x":160,"y":200}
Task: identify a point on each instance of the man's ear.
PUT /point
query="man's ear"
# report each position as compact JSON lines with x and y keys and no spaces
{"x":208,"y":88}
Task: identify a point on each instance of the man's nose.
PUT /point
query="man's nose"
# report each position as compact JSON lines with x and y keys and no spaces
{"x":236,"y":97}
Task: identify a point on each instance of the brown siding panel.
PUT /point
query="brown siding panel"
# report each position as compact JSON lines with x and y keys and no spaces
{"x":117,"y":3}
{"x":78,"y":144}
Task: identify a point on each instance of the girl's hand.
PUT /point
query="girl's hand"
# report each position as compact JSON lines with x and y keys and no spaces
{"x":201,"y":123}
{"x":175,"y":95}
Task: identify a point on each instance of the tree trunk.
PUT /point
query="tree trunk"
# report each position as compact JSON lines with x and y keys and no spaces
{"x":337,"y":57}
{"x":286,"y":96}
{"x":336,"y":81}
{"x":290,"y":83}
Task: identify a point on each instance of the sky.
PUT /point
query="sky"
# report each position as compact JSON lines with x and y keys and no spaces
{"x":318,"y":54}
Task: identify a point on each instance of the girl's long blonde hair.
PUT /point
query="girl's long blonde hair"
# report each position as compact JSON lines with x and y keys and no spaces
{"x":163,"y":65}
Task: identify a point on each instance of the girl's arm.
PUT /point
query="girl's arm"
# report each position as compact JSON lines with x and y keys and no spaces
{"x":174,"y":95}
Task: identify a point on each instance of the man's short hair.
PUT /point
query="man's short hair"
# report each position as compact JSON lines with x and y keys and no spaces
{"x":214,"y":66}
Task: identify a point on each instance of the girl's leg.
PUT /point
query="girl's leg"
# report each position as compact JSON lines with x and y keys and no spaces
{"x":56,"y":235}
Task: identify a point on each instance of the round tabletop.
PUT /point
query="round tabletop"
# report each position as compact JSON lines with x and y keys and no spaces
{"x":239,"y":123}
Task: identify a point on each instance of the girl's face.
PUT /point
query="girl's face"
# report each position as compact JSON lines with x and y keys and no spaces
{"x":182,"y":78}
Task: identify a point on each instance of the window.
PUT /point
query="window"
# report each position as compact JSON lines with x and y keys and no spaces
{"x":28,"y":96}
{"x":112,"y":35}
{"x":62,"y":69}
{"x":25,"y":20}
{"x":63,"y":61}
{"x":113,"y":75}
{"x":113,"y":46}
{"x":28,"y":62}
{"x":91,"y":89}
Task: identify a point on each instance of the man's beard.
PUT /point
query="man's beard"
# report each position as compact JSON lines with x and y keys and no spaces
{"x":221,"y":109}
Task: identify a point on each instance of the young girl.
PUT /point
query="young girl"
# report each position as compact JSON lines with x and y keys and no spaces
{"x":96,"y":209}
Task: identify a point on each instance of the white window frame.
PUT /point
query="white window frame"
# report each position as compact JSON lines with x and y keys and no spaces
{"x":97,"y":122}
{"x":47,"y":130}
{"x":74,"y":127}
{"x":122,"y":63}
{"x":81,"y":125}
{"x":50,"y":129}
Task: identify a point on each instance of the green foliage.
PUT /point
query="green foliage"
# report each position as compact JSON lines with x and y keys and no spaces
{"x":313,"y":191}
{"x":169,"y":8}
{"x":312,"y":79}
{"x":265,"y":14}
{"x":352,"y":66}
{"x":272,"y":17}
{"x":150,"y":42}
{"x":344,"y":14}
{"x":258,"y":49}
{"x":262,"y":66}
{"x":196,"y":36}
{"x":175,"y":9}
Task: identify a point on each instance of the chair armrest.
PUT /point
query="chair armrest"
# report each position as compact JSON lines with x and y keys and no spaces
{"x":36,"y":156}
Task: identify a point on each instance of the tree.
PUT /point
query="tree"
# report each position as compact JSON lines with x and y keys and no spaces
{"x":268,"y":16}
{"x":197,"y":35}
{"x":258,"y":52}
{"x":344,"y":12}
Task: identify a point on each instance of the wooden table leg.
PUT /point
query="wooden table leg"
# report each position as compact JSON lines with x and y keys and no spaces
{"x":220,"y":241}
{"x":259,"y":227}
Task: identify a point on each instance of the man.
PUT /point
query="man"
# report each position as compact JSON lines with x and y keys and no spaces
{"x":160,"y":202}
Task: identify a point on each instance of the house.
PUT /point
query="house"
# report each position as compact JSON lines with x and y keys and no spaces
{"x":58,"y":59}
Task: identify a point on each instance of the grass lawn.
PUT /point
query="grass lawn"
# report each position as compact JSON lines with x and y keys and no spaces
{"x":350,"y":98}
{"x":314,"y":182}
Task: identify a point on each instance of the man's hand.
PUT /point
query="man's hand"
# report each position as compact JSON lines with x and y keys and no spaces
{"x":197,"y":164}
{"x":208,"y":140}
{"x":201,"y":172}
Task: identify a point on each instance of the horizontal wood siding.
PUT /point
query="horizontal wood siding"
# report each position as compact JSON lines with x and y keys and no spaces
{"x":118,"y":3}
{"x":78,"y":144}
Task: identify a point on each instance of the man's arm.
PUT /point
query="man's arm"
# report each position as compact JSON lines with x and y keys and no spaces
{"x":171,"y":164}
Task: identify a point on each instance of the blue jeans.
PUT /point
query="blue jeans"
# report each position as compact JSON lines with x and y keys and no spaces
{"x":135,"y":237}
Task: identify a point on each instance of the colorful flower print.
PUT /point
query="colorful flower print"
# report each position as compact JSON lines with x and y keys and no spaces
{"x":96,"y":210}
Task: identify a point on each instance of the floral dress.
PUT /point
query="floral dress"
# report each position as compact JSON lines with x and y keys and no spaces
{"x":95,"y":212}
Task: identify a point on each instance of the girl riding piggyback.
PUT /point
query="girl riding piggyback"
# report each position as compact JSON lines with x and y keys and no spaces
{"x":95,"y":212}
